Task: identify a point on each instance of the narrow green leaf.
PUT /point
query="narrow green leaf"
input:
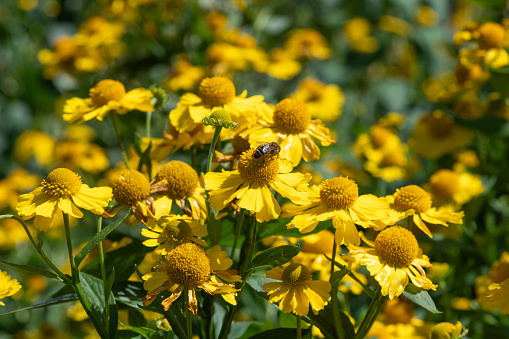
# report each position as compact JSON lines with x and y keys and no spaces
{"x":278,"y":227}
{"x":338,"y":275}
{"x":275,"y":256}
{"x":136,"y":318}
{"x":99,"y":237}
{"x":109,"y":284}
{"x":144,"y":331}
{"x":33,"y":269}
{"x":137,"y":144}
{"x":324,"y":321}
{"x":173,"y":315}
{"x":421,"y":298}
{"x":145,"y":159}
{"x":214,"y":229}
{"x":279,"y":333}
{"x":55,"y":301}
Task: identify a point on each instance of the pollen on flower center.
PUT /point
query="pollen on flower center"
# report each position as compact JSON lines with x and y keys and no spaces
{"x":412,"y":197}
{"x":217,"y":91}
{"x":444,"y":184}
{"x":396,"y":246}
{"x":105,"y":91}
{"x":61,"y":182}
{"x":262,"y":170}
{"x":181,"y":179}
{"x":178,"y":232}
{"x":339,"y":192}
{"x":291,"y":116}
{"x":296,"y":274}
{"x":187,"y":265}
{"x":491,"y":35}
{"x":130,"y":186}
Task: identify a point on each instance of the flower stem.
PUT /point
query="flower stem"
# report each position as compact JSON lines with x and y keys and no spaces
{"x":119,"y":140}
{"x":409,"y":220}
{"x":338,"y":325}
{"x":299,"y":328}
{"x":148,"y":123}
{"x":238,"y":228}
{"x":74,"y":269}
{"x":192,"y":155}
{"x":103,"y":269}
{"x":333,"y":259}
{"x":215,"y":138}
{"x":374,"y":308}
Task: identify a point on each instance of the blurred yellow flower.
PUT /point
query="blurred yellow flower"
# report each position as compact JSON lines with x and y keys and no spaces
{"x":447,"y":330}
{"x":61,"y":190}
{"x":394,"y":25}
{"x":8,"y":286}
{"x":426,"y":16}
{"x":393,"y":258}
{"x":17,"y":181}
{"x":358,"y":34}
{"x":323,"y":101}
{"x":307,"y":44}
{"x":291,"y":127}
{"x":454,"y":188}
{"x":189,"y":266}
{"x":280,"y":64}
{"x":296,"y":291}
{"x":38,"y":144}
{"x":107,"y":95}
{"x":183,"y":75}
{"x":251,"y":182}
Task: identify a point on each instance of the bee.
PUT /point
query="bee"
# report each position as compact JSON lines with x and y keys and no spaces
{"x":271,"y":148}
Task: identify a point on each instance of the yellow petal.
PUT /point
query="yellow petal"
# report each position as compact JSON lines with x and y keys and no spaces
{"x":66,"y":205}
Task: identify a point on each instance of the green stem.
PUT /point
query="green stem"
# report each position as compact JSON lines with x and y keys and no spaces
{"x":299,"y":328}
{"x":38,"y":248}
{"x":338,"y":325}
{"x":192,"y":155}
{"x":119,"y":140}
{"x":148,"y":123}
{"x":215,"y":138}
{"x":409,"y":225}
{"x":103,"y":270}
{"x":333,"y":259}
{"x":238,"y":228}
{"x":375,"y":307}
{"x":74,"y":269}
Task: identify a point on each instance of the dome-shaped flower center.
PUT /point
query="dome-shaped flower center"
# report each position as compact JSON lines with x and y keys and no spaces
{"x":491,"y":35}
{"x":412,"y":197}
{"x":396,"y":246}
{"x":291,"y":116}
{"x":318,"y":243}
{"x":181,"y":179}
{"x":296,"y":274}
{"x":188,"y":265}
{"x":105,"y":91}
{"x":217,"y":91}
{"x":61,"y":182}
{"x":439,"y":125}
{"x":399,"y":311}
{"x":444,"y":184}
{"x":129,"y":187}
{"x":261,"y":170}
{"x":178,"y":232}
{"x":340,"y":192}
{"x":240,"y":145}
{"x":379,"y":135}
{"x":66,"y":48}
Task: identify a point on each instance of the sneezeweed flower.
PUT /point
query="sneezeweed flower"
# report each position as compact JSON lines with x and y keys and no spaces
{"x":250,"y":184}
{"x":453,"y":188}
{"x":393,"y":258}
{"x":131,"y":189}
{"x":188,"y":265}
{"x":338,"y":199}
{"x":291,"y":127}
{"x":426,"y":16}
{"x":178,"y":182}
{"x":214,"y":93}
{"x":358,"y":34}
{"x":38,"y":144}
{"x":183,"y":75}
{"x":447,"y":330}
{"x":499,"y":272}
{"x":323,"y":101}
{"x":413,"y":201}
{"x":8,"y":286}
{"x":394,"y":25}
{"x":61,"y":190}
{"x":17,"y":181}
{"x":436,"y":134}
{"x":297,"y":291}
{"x":108,"y":95}
{"x":307,"y":44}
{"x":170,"y":231}
{"x":497,"y":297}
{"x":280,"y":64}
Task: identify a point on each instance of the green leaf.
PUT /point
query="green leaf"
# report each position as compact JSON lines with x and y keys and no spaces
{"x":492,"y":5}
{"x":214,"y":229}
{"x":144,"y":331}
{"x":279,"y":333}
{"x":33,"y":269}
{"x":136,"y":318}
{"x":54,"y":301}
{"x":275,"y":256}
{"x":99,"y":237}
{"x":137,"y":144}
{"x":173,"y":315}
{"x":421,"y":298}
{"x":324,"y":321}
{"x":338,"y":275}
{"x":130,"y":293}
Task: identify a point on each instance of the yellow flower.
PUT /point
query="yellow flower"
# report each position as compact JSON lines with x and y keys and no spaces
{"x":190,"y":266}
{"x":394,"y":25}
{"x":291,"y":127}
{"x":447,"y":330}
{"x":74,"y":154}
{"x":280,"y":65}
{"x":497,"y":297}
{"x":38,"y":144}
{"x":215,"y":93}
{"x":307,"y":44}
{"x":178,"y":182}
{"x":131,"y":189}
{"x":338,"y":199}
{"x":454,"y":188}
{"x":183,"y":75}
{"x":171,"y":231}
{"x":17,"y":181}
{"x":107,"y":95}
{"x":393,"y":259}
{"x":426,"y":16}
{"x":413,"y":201}
{"x":436,"y":134}
{"x":323,"y":101}
{"x":8,"y":286}
{"x":250,"y":184}
{"x":499,"y":272}
{"x":296,"y":291}
{"x":61,"y":190}
{"x":358,"y":31}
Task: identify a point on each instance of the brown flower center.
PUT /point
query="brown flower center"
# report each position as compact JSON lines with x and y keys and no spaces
{"x":130,"y":186}
{"x":296,"y":274}
{"x":188,"y":265}
{"x":178,"y":232}
{"x":181,"y":179}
